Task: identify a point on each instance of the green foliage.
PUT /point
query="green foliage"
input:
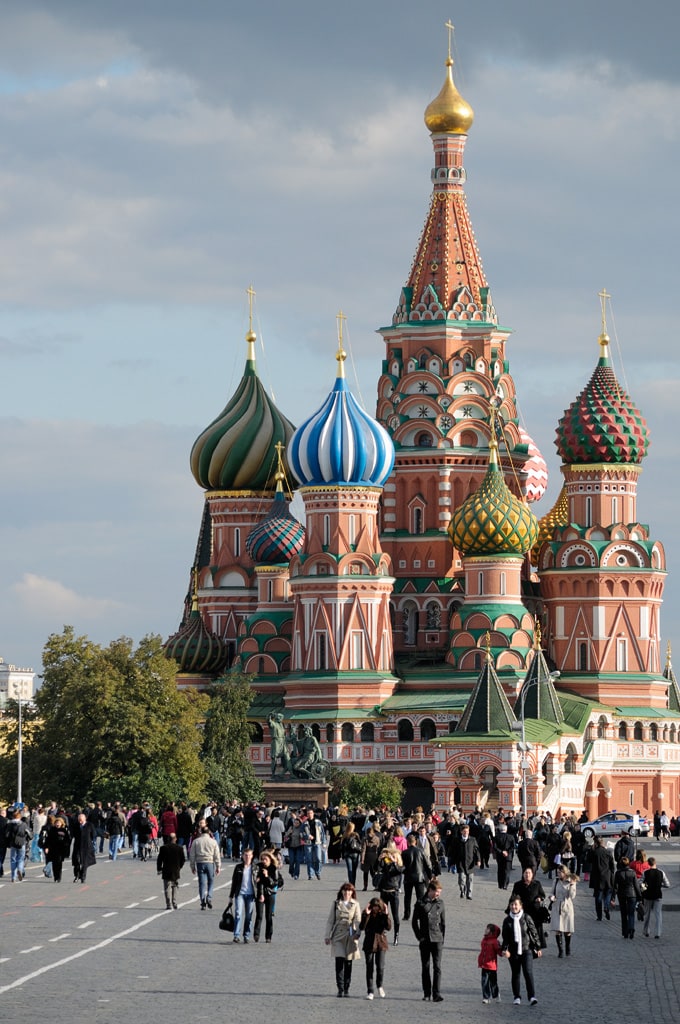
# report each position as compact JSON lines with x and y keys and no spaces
{"x":226,"y":739}
{"x":374,"y":789}
{"x":110,"y":724}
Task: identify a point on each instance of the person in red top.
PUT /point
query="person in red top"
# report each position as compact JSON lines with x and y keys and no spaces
{"x":488,"y":961}
{"x":639,"y":865}
{"x":168,"y":822}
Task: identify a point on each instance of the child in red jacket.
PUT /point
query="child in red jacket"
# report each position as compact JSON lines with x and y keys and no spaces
{"x":488,"y":961}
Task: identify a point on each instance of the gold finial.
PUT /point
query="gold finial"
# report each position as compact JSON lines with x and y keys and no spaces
{"x":493,"y":440}
{"x":340,"y":355}
{"x":449,"y":28}
{"x":537,"y":636}
{"x":668,"y":655}
{"x":604,"y":337}
{"x":279,"y":476}
{"x":487,"y":639}
{"x":250,"y":336}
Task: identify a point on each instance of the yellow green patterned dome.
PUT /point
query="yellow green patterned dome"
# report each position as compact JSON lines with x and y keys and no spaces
{"x":492,"y":521}
{"x":557,"y":516}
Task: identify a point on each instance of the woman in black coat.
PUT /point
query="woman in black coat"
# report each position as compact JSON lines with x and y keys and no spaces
{"x":57,"y":846}
{"x":520,"y":942}
{"x":628,"y":892}
{"x":83,"y":856}
{"x":530,"y":891}
{"x":375,"y":923}
{"x":267,"y":883}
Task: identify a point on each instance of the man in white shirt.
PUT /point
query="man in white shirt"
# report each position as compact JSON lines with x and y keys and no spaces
{"x":204,"y":858}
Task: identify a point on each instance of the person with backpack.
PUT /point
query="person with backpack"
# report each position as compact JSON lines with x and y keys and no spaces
{"x":654,"y":880}
{"x":17,"y":836}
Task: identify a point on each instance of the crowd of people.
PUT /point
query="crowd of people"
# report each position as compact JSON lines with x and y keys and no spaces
{"x":398,"y":857}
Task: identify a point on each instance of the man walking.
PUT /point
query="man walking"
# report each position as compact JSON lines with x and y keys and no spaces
{"x":313,"y":850}
{"x":169,"y":863}
{"x":416,"y":873}
{"x":467,"y":858}
{"x":429,"y":927}
{"x":655,"y":880}
{"x":205,"y":862}
{"x":243,"y":891}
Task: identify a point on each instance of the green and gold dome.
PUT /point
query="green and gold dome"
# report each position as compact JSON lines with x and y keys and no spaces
{"x":237,"y":451}
{"x":547,"y":524}
{"x":492,"y":521}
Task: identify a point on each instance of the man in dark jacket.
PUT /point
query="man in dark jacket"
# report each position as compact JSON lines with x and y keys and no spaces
{"x":601,"y":877}
{"x":169,"y":863}
{"x":3,"y":839}
{"x":504,"y":848}
{"x":655,"y":880}
{"x":416,"y":873}
{"x":18,"y":834}
{"x":628,"y":893}
{"x":625,"y":847}
{"x":467,"y":858}
{"x":529,"y":851}
{"x":83,"y":856}
{"x":429,"y":927}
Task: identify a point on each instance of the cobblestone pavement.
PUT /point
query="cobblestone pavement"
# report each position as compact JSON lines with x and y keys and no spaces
{"x":108,"y":952}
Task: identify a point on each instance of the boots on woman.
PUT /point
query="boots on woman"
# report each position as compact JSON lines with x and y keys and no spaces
{"x":558,"y":940}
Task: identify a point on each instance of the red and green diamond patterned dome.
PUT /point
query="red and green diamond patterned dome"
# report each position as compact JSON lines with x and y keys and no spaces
{"x":603,"y":424}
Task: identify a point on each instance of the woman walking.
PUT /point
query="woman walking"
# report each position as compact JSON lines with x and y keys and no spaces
{"x":628,"y":892}
{"x":389,"y":872}
{"x":562,"y":919}
{"x":375,"y":924}
{"x":268,"y":881}
{"x":351,"y":851}
{"x":520,"y":942}
{"x":57,"y":846}
{"x":370,"y":850}
{"x":342,"y":935}
{"x":530,"y":891}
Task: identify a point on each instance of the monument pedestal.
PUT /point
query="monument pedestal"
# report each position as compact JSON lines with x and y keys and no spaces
{"x":296,"y":792}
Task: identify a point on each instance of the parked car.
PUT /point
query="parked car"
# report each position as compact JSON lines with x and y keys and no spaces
{"x":615,"y":823}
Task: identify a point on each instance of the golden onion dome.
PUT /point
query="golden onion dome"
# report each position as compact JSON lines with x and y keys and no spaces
{"x":449,"y":112}
{"x":557,"y":516}
{"x":492,"y":521}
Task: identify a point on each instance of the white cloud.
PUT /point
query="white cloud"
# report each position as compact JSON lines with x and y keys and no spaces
{"x":50,"y":599}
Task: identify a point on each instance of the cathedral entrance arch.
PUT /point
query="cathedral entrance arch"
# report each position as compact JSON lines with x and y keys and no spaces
{"x":418,"y":792}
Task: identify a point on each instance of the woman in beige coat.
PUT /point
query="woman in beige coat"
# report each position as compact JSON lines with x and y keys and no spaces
{"x":342,"y":935}
{"x":562,"y":903}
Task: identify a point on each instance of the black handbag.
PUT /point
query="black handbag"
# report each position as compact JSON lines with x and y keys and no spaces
{"x":226,"y":923}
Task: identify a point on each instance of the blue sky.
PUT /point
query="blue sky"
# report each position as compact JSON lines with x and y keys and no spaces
{"x":157,"y":158}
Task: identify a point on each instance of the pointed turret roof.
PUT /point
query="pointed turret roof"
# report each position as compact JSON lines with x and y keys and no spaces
{"x":673,"y":688}
{"x":488,"y":709}
{"x":538,"y":696}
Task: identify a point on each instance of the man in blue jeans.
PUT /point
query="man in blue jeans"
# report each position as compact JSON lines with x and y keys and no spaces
{"x":205,"y":862}
{"x":243,"y":891}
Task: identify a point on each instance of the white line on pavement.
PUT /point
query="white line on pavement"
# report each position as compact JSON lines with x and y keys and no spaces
{"x":131,"y":905}
{"x":31,"y":949}
{"x":64,"y":935}
{"x":149,"y":898}
{"x":111,"y":913}
{"x":85,"y":924}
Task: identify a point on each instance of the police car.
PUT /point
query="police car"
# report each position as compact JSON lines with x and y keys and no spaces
{"x":615,"y":823}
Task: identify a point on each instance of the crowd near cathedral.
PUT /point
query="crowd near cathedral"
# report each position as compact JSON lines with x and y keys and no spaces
{"x":419,"y":618}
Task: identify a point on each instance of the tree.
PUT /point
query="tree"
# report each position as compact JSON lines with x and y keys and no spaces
{"x":111,"y":724}
{"x":374,"y":789}
{"x":226,"y":740}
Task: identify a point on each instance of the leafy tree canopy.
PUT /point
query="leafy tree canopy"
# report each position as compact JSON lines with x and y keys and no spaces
{"x":227,"y":737}
{"x":109,"y":724}
{"x":373,"y":789}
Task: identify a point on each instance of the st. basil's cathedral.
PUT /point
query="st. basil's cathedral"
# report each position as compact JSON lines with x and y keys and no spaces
{"x":421,"y":609}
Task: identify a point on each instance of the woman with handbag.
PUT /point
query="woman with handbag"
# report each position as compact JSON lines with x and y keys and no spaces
{"x":375,"y":924}
{"x":343,"y":928}
{"x":389,"y":873}
{"x":562,"y":903}
{"x":520,"y":944}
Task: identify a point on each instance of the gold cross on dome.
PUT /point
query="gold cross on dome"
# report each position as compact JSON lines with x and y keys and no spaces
{"x":251,"y":295}
{"x":340,"y":317}
{"x":449,"y":27}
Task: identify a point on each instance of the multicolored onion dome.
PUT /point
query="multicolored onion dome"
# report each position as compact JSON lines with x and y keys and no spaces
{"x":195,"y":648}
{"x":278,"y":537}
{"x":449,"y":112}
{"x":341,"y":444}
{"x":558,"y":516}
{"x":492,"y":521}
{"x":237,"y":452}
{"x":603,"y":424}
{"x":534,"y":487}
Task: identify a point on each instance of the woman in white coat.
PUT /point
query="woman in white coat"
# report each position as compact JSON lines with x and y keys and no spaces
{"x":562,"y":902}
{"x":342,"y":935}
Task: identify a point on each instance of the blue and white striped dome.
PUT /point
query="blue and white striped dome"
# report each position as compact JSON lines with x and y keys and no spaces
{"x":341,"y":444}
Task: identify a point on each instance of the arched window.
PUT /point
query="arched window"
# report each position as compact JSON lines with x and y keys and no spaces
{"x":404,"y":730}
{"x":637,"y":731}
{"x":671,"y":734}
{"x":623,"y":731}
{"x":453,"y":725}
{"x":602,"y":728}
{"x":237,"y":541}
{"x":316,"y":731}
{"x":417,"y":519}
{"x":433,"y":615}
{"x":571,"y":760}
{"x":424,"y":440}
{"x":347,"y":733}
{"x":256,"y":733}
{"x":330,"y":733}
{"x":428,"y":730}
{"x":654,"y":731}
{"x":367,"y":732}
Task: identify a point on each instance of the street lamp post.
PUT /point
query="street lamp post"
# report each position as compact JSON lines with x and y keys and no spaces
{"x":20,"y":764}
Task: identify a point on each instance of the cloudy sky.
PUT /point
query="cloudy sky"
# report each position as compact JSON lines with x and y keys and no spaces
{"x":157,"y":156}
